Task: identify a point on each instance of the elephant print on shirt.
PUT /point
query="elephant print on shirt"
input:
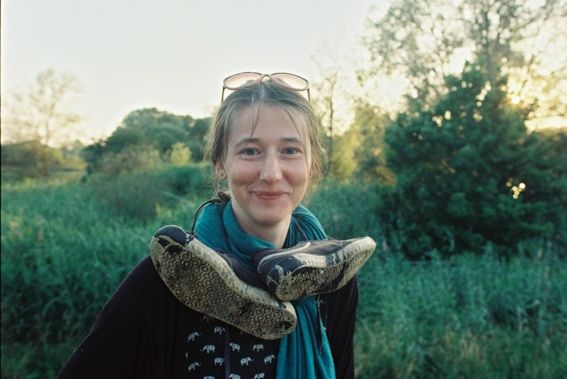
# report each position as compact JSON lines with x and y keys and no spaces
{"x":259,"y":347}
{"x":193,"y":336}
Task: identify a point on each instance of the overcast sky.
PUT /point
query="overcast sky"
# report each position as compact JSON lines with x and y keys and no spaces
{"x":169,"y":54}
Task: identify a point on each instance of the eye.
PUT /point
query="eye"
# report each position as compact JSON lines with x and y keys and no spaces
{"x":291,"y":151}
{"x":249,"y":151}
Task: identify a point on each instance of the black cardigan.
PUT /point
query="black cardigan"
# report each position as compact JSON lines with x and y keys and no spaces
{"x":143,"y":331}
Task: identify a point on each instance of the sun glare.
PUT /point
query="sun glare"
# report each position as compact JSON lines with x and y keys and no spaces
{"x":517,"y":190}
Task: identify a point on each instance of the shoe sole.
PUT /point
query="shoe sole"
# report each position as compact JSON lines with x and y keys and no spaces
{"x":310,"y":274}
{"x":204,"y":282}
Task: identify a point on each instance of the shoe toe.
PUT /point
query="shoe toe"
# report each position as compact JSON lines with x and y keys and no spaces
{"x":174,"y":232}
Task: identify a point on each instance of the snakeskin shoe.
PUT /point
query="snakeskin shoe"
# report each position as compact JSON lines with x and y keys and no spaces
{"x":217,"y":285}
{"x":312,"y":267}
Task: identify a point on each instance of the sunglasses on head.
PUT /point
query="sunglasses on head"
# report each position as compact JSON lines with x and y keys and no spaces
{"x":243,"y":79}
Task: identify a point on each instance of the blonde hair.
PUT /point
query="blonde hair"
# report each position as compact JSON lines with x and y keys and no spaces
{"x":272,"y":93}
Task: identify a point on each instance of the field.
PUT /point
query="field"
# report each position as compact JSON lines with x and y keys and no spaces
{"x":66,"y":246}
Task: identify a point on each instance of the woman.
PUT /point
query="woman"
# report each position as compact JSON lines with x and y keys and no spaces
{"x":164,"y":321}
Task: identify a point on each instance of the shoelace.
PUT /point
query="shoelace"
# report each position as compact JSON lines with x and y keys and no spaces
{"x":220,"y":199}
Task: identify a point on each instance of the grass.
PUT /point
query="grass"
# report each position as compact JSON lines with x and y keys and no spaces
{"x":65,"y":248}
{"x":470,"y":317}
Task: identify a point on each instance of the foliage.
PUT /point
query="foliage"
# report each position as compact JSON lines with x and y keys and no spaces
{"x":196,"y":143}
{"x":552,"y":149}
{"x":325,"y":105}
{"x":327,"y":100}
{"x":30,"y":159}
{"x":351,"y":200}
{"x":359,"y":152}
{"x":37,"y":119}
{"x":132,"y":158}
{"x":468,"y":173}
{"x":27,"y":159}
{"x":466,"y":317}
{"x":140,"y":194}
{"x":423,"y":41}
{"x":152,"y":127}
{"x":179,"y":154}
{"x":344,"y":166}
{"x":41,"y":112}
{"x":369,"y":125}
{"x":141,"y":132}
{"x":64,"y":251}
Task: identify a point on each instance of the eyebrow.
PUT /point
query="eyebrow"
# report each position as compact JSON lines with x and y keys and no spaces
{"x":247,"y":140}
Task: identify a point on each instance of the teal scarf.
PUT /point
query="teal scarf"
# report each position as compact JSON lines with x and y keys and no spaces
{"x":300,"y":355}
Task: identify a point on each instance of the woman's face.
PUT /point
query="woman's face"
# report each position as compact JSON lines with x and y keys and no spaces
{"x":267,"y":168}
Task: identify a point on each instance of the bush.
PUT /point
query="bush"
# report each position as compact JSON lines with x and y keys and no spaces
{"x":347,"y":210}
{"x":468,"y":174}
{"x":129,"y":160}
{"x":139,"y":195}
{"x":30,"y":160}
{"x":179,"y":154}
{"x":193,"y":179}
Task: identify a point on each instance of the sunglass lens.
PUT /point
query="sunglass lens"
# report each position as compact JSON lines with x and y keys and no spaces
{"x":238,"y":80}
{"x":293,"y":81}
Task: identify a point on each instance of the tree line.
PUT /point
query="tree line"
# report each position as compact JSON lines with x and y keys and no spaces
{"x":147,"y":138}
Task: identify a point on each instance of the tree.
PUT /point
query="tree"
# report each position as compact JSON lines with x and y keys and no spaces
{"x":145,"y":135}
{"x":132,"y":158}
{"x":425,"y":40}
{"x":369,"y":125}
{"x":327,"y":88}
{"x":328,"y":102}
{"x":469,"y":174}
{"x":41,"y":118}
{"x":198,"y":133}
{"x":28,"y":159}
{"x":152,"y":127}
{"x":360,"y":150}
{"x":552,"y":146}
{"x":42,"y":112}
{"x":179,"y":155}
{"x":344,"y":165}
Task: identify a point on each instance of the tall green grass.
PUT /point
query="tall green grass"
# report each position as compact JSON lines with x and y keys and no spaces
{"x":469,"y":317}
{"x":64,"y":251}
{"x":65,"y":248}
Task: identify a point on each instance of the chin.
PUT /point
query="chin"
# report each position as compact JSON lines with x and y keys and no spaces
{"x":271,"y":217}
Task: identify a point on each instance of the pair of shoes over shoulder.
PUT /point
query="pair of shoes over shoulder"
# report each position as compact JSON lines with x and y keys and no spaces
{"x":218,"y":285}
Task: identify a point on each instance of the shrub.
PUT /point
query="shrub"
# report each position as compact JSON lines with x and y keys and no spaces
{"x":347,"y":210}
{"x":469,"y":174}
{"x":129,"y":160}
{"x":139,"y":194}
{"x":192,"y":179}
{"x":179,"y":154}
{"x":30,"y":159}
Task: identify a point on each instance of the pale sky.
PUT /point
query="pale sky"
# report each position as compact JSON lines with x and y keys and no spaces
{"x":169,"y":54}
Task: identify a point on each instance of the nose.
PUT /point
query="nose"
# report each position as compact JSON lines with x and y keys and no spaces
{"x":271,"y":169}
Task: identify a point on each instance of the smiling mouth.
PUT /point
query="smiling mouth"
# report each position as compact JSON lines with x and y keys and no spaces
{"x":264,"y":195}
